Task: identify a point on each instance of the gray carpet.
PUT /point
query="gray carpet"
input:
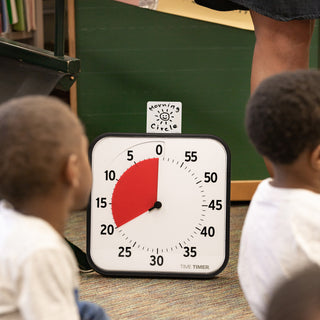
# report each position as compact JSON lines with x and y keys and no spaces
{"x":136,"y":298}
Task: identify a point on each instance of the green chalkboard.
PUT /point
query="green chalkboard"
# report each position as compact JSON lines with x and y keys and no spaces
{"x":131,"y":55}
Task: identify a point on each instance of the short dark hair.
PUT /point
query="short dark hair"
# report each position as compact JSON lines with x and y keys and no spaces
{"x":283,"y":115}
{"x":297,"y":298}
{"x":37,"y":134}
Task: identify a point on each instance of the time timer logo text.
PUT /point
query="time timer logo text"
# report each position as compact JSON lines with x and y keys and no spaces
{"x":164,"y":117}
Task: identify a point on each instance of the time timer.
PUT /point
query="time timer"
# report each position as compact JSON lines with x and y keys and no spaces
{"x":159,"y":205}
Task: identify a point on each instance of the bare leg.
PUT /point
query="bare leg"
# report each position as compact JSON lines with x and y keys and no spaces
{"x":280,"y":46}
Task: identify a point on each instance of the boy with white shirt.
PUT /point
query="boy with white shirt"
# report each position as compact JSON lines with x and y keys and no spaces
{"x":281,"y":231}
{"x":44,"y":175}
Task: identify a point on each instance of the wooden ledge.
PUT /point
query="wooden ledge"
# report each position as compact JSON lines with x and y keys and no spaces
{"x":243,"y":190}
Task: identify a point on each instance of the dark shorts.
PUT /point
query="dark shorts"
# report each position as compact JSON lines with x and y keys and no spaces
{"x":283,"y":10}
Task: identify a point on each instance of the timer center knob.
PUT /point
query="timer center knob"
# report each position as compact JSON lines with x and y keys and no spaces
{"x":157,"y":205}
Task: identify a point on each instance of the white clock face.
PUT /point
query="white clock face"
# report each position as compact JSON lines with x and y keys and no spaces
{"x":159,"y":205}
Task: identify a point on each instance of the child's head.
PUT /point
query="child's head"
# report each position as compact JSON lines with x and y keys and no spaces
{"x":42,"y":147}
{"x":297,"y":298}
{"x":283,"y":115}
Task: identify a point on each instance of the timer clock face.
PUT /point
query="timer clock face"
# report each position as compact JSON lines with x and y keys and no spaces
{"x":159,"y":205}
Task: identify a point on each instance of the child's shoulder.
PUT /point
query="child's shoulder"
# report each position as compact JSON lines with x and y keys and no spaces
{"x":270,"y":193}
{"x":276,"y":206}
{"x":22,"y":235}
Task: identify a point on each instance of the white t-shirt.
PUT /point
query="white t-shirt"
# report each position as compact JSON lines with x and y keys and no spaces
{"x":38,"y":271}
{"x":281,"y":235}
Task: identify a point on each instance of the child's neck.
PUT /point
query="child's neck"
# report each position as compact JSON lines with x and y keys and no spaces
{"x":287,"y":181}
{"x":51,"y":208}
{"x":297,"y":175}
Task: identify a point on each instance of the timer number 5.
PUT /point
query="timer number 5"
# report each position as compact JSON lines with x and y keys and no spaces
{"x":130,"y":155}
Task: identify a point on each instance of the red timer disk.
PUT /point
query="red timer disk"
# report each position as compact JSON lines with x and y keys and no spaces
{"x":136,"y":191}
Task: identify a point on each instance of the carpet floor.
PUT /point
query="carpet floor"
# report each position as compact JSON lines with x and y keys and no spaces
{"x":165,"y":299}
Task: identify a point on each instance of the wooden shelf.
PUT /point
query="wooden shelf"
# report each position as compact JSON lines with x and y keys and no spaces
{"x":36,"y":37}
{"x":17,"y":35}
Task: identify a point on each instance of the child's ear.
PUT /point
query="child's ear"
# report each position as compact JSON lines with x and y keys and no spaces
{"x":315,"y":158}
{"x":71,"y":171}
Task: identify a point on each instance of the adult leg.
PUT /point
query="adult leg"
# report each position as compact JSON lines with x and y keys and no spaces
{"x":280,"y":46}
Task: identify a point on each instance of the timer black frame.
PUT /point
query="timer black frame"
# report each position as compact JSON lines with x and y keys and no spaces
{"x":125,"y":251}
